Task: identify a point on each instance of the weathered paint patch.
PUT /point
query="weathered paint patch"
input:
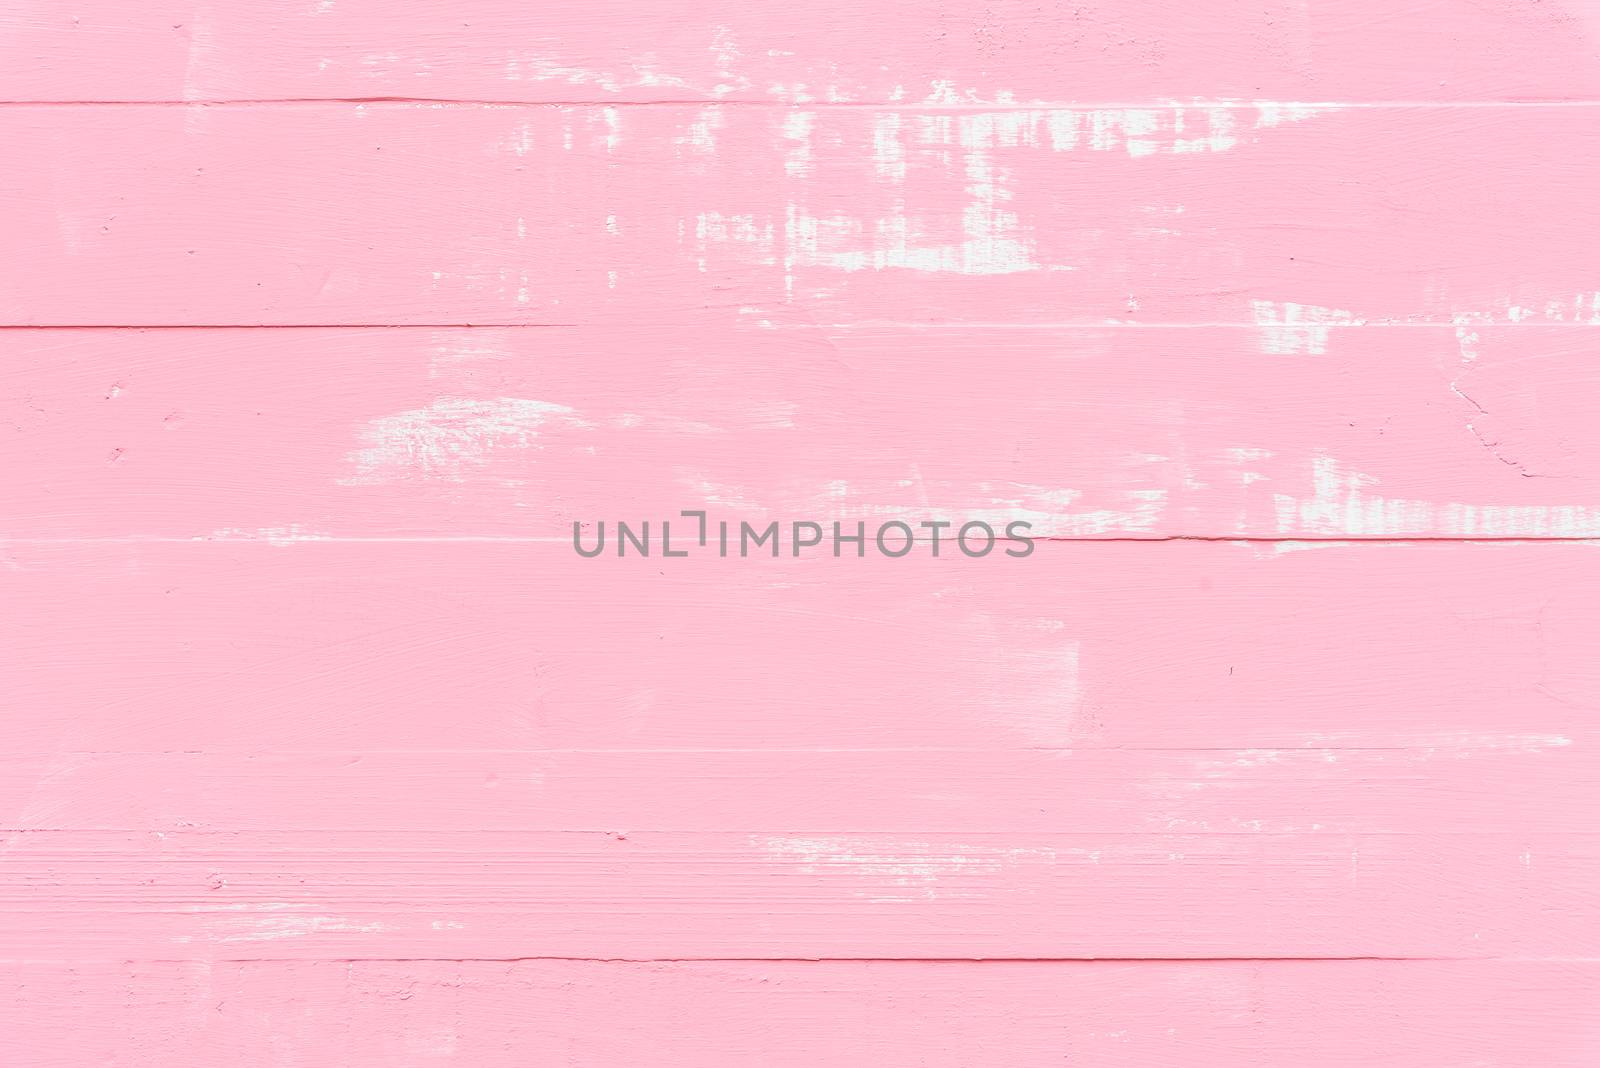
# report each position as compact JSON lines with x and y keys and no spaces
{"x":449,"y":437}
{"x":320,"y":743}
{"x":1341,"y":503}
{"x":1295,"y":329}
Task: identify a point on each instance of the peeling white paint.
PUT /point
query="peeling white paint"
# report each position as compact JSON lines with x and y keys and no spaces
{"x":726,"y":54}
{"x":1581,"y":309}
{"x":285,"y":535}
{"x":1297,"y":329}
{"x":274,"y":928}
{"x":974,"y":149}
{"x":456,"y":352}
{"x":901,"y":870}
{"x":450,"y":437}
{"x":797,"y":130}
{"x":612,"y":117}
{"x":1054,"y":511}
{"x":1341,"y":504}
{"x":888,"y":147}
{"x":701,"y":136}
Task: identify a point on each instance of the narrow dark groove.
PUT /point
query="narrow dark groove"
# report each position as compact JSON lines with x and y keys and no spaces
{"x":809,"y":105}
{"x":250,"y":752}
{"x":1331,"y":539}
{"x":290,"y":326}
{"x":201,"y":834}
{"x":966,"y":961}
{"x":1152,"y":539}
{"x":864,"y":325}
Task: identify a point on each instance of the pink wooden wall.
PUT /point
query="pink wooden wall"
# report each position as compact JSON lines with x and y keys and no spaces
{"x":324,"y":320}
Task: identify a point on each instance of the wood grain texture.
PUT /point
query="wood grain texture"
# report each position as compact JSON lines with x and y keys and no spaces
{"x":1414,"y":1014}
{"x":642,"y":895}
{"x":1081,"y":432}
{"x":1381,"y":827}
{"x":830,"y":51}
{"x":323,"y":322}
{"x":1475,"y":787}
{"x":331,"y":214}
{"x":423,"y":645}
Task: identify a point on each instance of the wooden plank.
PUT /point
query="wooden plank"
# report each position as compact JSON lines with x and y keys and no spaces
{"x":648,"y":895}
{"x":1247,"y":1014}
{"x":325,"y":320}
{"x":725,"y":50}
{"x":426,"y":645}
{"x":1080,"y":432}
{"x":1471,"y":787}
{"x":331,"y":214}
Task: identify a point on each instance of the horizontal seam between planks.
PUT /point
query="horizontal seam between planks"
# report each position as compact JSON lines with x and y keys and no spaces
{"x":990,"y":960}
{"x":819,"y":105}
{"x":1517,"y":833}
{"x":199,"y":833}
{"x":257,"y":751}
{"x":865,"y":325}
{"x":1226,"y":539}
{"x":289,"y":326}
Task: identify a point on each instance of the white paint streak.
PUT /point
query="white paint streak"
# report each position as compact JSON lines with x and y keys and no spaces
{"x":287,"y":535}
{"x":888,"y":147}
{"x":455,"y":353}
{"x":797,"y":130}
{"x":1581,"y":309}
{"x":726,"y":54}
{"x":450,"y":437}
{"x":1297,"y":329}
{"x":1341,"y":504}
{"x":273,"y":928}
{"x":701,"y":136}
{"x":971,"y":150}
{"x":909,"y":870}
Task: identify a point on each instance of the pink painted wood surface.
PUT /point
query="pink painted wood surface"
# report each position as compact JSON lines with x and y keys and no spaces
{"x":1107,"y":1014}
{"x":321,"y":746}
{"x":332,"y":214}
{"x":1460,"y":786}
{"x":254,"y":646}
{"x":832,"y":50}
{"x":1391,"y":801}
{"x":797,"y":895}
{"x":1262,"y":431}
